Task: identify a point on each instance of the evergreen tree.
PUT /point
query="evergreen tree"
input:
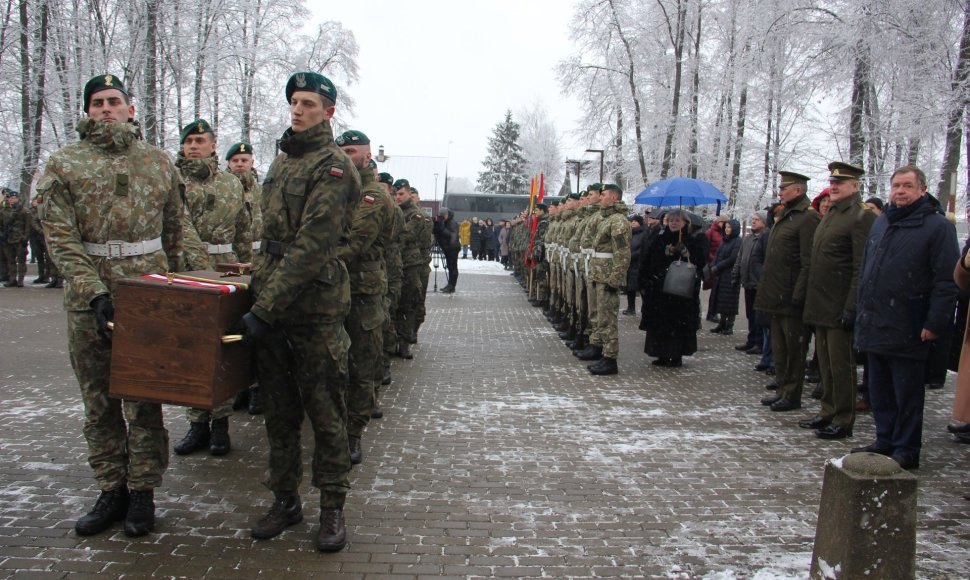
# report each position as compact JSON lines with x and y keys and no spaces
{"x":505,"y":166}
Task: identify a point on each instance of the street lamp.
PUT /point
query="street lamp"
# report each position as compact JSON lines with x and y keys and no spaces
{"x":578,"y":164}
{"x":601,"y":152}
{"x":436,"y":189}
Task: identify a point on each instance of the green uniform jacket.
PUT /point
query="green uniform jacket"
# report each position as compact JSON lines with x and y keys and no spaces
{"x":612,"y":236}
{"x":412,"y":238}
{"x":363,"y":251}
{"x":14,"y":223}
{"x":309,"y":197}
{"x":252,"y":197}
{"x":833,"y":280}
{"x":109,"y":186}
{"x":784,"y":281}
{"x":216,"y":209}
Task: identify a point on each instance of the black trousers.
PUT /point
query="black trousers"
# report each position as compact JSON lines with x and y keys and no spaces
{"x":451,"y":263}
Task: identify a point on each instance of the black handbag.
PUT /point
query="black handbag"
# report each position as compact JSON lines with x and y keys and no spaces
{"x":681,"y":279}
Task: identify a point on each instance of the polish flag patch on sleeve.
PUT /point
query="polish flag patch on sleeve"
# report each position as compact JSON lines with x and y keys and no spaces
{"x":369,"y":198}
{"x":336,"y":172}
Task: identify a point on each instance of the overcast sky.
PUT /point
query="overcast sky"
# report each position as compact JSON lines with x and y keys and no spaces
{"x":434,"y":72}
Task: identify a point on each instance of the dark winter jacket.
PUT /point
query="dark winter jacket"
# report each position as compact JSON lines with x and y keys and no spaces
{"x":726,"y":290}
{"x":784,"y":281}
{"x":663,"y":313}
{"x":751,"y":260}
{"x":638,"y":236}
{"x":906,"y":283}
{"x":446,"y":233}
{"x":488,"y":236}
{"x":476,"y":234}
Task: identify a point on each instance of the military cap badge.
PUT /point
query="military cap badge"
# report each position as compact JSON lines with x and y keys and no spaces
{"x":107,"y":80}
{"x":300,"y":80}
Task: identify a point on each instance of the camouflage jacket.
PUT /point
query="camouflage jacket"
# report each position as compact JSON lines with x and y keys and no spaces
{"x":109,"y":186}
{"x":252,"y":197}
{"x":412,"y":237}
{"x":612,"y":236}
{"x":363,"y":250}
{"x":539,"y":243}
{"x":216,"y":209}
{"x":309,"y":197}
{"x":14,"y":224}
{"x":392,"y":256}
{"x":36,"y":228}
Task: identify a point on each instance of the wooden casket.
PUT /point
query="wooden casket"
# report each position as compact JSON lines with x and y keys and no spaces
{"x":169,"y":342}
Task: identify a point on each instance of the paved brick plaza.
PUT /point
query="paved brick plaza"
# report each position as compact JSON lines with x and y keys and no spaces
{"x":499,"y":455}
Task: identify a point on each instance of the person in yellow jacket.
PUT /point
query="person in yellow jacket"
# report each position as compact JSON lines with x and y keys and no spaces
{"x":465,"y":236}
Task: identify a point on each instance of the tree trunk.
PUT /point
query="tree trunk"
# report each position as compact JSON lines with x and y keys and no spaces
{"x":860,"y":89}
{"x":150,"y":118}
{"x":771,"y":104}
{"x":694,"y":98}
{"x":677,"y":40}
{"x":738,"y":147}
{"x":634,"y":95}
{"x":618,"y":143}
{"x":954,"y":123}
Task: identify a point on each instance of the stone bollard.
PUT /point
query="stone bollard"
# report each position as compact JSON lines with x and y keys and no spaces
{"x":866,"y":520}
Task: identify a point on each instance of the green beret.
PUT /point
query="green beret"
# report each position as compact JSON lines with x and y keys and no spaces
{"x":401,"y":183}
{"x":613,"y":187}
{"x":414,"y":190}
{"x":312,"y":82}
{"x":791,"y":178}
{"x":372,"y":164}
{"x":596,"y":186}
{"x":199,"y":126}
{"x":101,"y":83}
{"x":554,"y":202}
{"x":352,"y":138}
{"x":385,"y":177}
{"x":584,"y":193}
{"x":840,"y":171}
{"x":573,"y":196}
{"x":241,"y":147}
{"x":542,"y":206}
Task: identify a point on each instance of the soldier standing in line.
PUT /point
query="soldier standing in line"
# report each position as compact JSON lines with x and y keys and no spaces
{"x":590,"y":350}
{"x":570,"y":245}
{"x":301,"y":297}
{"x":783,"y":287}
{"x":551,"y":241}
{"x":830,"y":303}
{"x":14,"y":232}
{"x":363,"y":253}
{"x":540,"y":265}
{"x":426,"y":243}
{"x":216,"y":210}
{"x":38,"y":246}
{"x":392,"y":297}
{"x":609,"y":263}
{"x":112,"y":209}
{"x":413,"y":264}
{"x":239,"y":162}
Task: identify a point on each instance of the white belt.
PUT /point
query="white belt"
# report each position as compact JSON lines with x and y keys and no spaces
{"x":219,"y":248}
{"x":114,"y":249}
{"x":257,"y":244}
{"x":602,"y":254}
{"x":585,"y":251}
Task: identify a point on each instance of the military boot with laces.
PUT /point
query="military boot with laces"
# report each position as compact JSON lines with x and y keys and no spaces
{"x":356,"y":453}
{"x":332,"y":536}
{"x":285,"y":511}
{"x":197,"y":438}
{"x":111,"y":507}
{"x":141,"y":514}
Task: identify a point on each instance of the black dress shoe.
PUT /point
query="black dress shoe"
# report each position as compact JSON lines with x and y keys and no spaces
{"x":660,"y":362}
{"x":772,"y":386}
{"x":770,"y":371}
{"x":816,"y":422}
{"x":833,"y":432}
{"x":958,"y":428}
{"x":872,"y":448}
{"x":744,"y":346}
{"x":783,"y":405}
{"x":755,"y":350}
{"x":760,"y":367}
{"x":906,"y":463}
{"x":769,"y":400}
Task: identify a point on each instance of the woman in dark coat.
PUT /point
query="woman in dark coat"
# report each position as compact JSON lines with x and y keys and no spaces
{"x":476,"y":239}
{"x":633,"y":272}
{"x":671,"y":322}
{"x":726,"y":290}
{"x":488,"y":234}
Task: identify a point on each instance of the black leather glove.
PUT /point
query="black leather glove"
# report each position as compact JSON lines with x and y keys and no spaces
{"x":610,"y":288}
{"x":253,"y":329}
{"x":847,"y":321}
{"x":104,"y":312}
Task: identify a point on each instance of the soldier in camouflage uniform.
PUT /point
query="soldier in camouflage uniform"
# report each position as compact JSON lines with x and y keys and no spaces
{"x":579,"y":274}
{"x":363,"y":252}
{"x":216,"y":210}
{"x":302,"y":295}
{"x":239,"y":162}
{"x":607,"y":272}
{"x":112,"y":209}
{"x":413,"y":262}
{"x":540,"y":265}
{"x":395,"y":270}
{"x":14,"y":232}
{"x":591,"y":350}
{"x":38,"y":245}
{"x":426,"y":243}
{"x":568,"y":324}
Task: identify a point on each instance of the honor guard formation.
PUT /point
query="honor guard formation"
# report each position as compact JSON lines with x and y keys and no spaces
{"x":340,"y":262}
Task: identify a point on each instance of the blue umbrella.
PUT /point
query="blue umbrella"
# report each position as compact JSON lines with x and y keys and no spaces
{"x":680,"y":191}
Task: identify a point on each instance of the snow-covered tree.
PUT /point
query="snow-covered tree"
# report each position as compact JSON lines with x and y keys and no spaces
{"x":541,"y":143}
{"x":504,"y":166}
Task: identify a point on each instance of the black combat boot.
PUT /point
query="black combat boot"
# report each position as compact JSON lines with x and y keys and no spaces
{"x":569,"y":333}
{"x":580,"y":344}
{"x":219,"y":441}
{"x":111,"y":507}
{"x":728,"y":326}
{"x":356,"y":454}
{"x":404,"y":350}
{"x":332,"y":536}
{"x":41,"y":280}
{"x":141,"y":513}
{"x":376,"y":412}
{"x":285,"y":511}
{"x":606,"y":366}
{"x":563,"y":325}
{"x":386,"y":379}
{"x":241,"y":401}
{"x":197,"y":438}
{"x":11,"y":284}
{"x":255,"y":401}
{"x":591,"y":352}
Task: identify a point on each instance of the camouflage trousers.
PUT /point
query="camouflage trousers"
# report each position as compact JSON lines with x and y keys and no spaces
{"x":569,"y":292}
{"x":15,"y":258}
{"x":420,"y":313}
{"x":541,"y":274}
{"x":592,"y":306}
{"x":204,"y":415}
{"x":391,"y":302}
{"x":410,"y":303}
{"x":582,"y":302}
{"x":606,"y":331}
{"x":363,"y":326}
{"x":127,"y":441}
{"x":302,"y":371}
